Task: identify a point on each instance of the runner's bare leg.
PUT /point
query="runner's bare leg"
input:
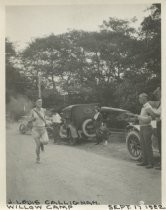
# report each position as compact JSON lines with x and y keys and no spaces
{"x":37,"y":141}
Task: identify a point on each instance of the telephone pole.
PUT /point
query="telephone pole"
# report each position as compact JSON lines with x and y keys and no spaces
{"x":39,"y":85}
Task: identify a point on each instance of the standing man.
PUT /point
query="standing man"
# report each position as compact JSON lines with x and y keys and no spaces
{"x":156,"y":113}
{"x":145,"y":132}
{"x":39,"y":131}
{"x":98,"y":119}
{"x":104,"y":133}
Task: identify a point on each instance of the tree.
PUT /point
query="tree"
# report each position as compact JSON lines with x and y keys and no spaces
{"x":111,"y":66}
{"x":151,"y":36}
{"x":13,"y":76}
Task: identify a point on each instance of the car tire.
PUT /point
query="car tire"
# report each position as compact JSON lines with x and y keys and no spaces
{"x":133,"y":145}
{"x":22,"y":128}
{"x":85,"y":129}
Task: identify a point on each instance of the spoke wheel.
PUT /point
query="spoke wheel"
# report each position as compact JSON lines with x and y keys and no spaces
{"x":22,"y":128}
{"x":133,"y":145}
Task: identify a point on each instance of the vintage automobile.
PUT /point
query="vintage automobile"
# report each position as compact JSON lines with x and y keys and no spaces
{"x":73,"y":117}
{"x":79,"y":124}
{"x":133,"y":137}
{"x":133,"y":140}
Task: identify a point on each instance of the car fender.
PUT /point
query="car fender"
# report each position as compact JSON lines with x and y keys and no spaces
{"x":134,"y":127}
{"x":137,"y":127}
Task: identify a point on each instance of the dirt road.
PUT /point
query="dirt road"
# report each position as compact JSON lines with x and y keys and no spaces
{"x":74,"y":174}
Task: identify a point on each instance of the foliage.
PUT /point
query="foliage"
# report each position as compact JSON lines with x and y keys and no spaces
{"x":151,"y":33}
{"x":111,"y":66}
{"x":13,"y":76}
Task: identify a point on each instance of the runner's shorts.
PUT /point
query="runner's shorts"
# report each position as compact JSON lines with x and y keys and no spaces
{"x":40,"y":134}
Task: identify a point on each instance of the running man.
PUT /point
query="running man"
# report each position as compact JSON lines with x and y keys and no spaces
{"x":39,"y":131}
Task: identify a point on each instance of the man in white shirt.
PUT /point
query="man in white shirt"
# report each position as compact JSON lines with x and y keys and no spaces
{"x":156,"y":113}
{"x":145,"y":132}
{"x":39,"y":131}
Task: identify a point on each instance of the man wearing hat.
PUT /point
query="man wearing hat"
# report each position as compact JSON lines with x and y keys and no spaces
{"x":39,"y":131}
{"x":145,"y":132}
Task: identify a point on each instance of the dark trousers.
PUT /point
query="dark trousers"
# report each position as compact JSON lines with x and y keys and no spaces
{"x":146,"y":144}
{"x":56,"y":135}
{"x":159,"y":135}
{"x":98,"y":136}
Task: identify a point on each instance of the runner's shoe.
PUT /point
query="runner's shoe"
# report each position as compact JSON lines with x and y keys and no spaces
{"x":38,"y":160}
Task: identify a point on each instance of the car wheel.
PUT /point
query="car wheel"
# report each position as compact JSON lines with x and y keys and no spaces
{"x":133,"y":145}
{"x":88,"y":128}
{"x":22,"y":128}
{"x":72,"y":140}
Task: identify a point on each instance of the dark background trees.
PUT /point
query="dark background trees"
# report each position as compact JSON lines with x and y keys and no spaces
{"x":111,"y":66}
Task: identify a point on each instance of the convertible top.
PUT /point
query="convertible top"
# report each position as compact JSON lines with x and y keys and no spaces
{"x":76,"y":105}
{"x":103,"y":108}
{"x":106,"y":108}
